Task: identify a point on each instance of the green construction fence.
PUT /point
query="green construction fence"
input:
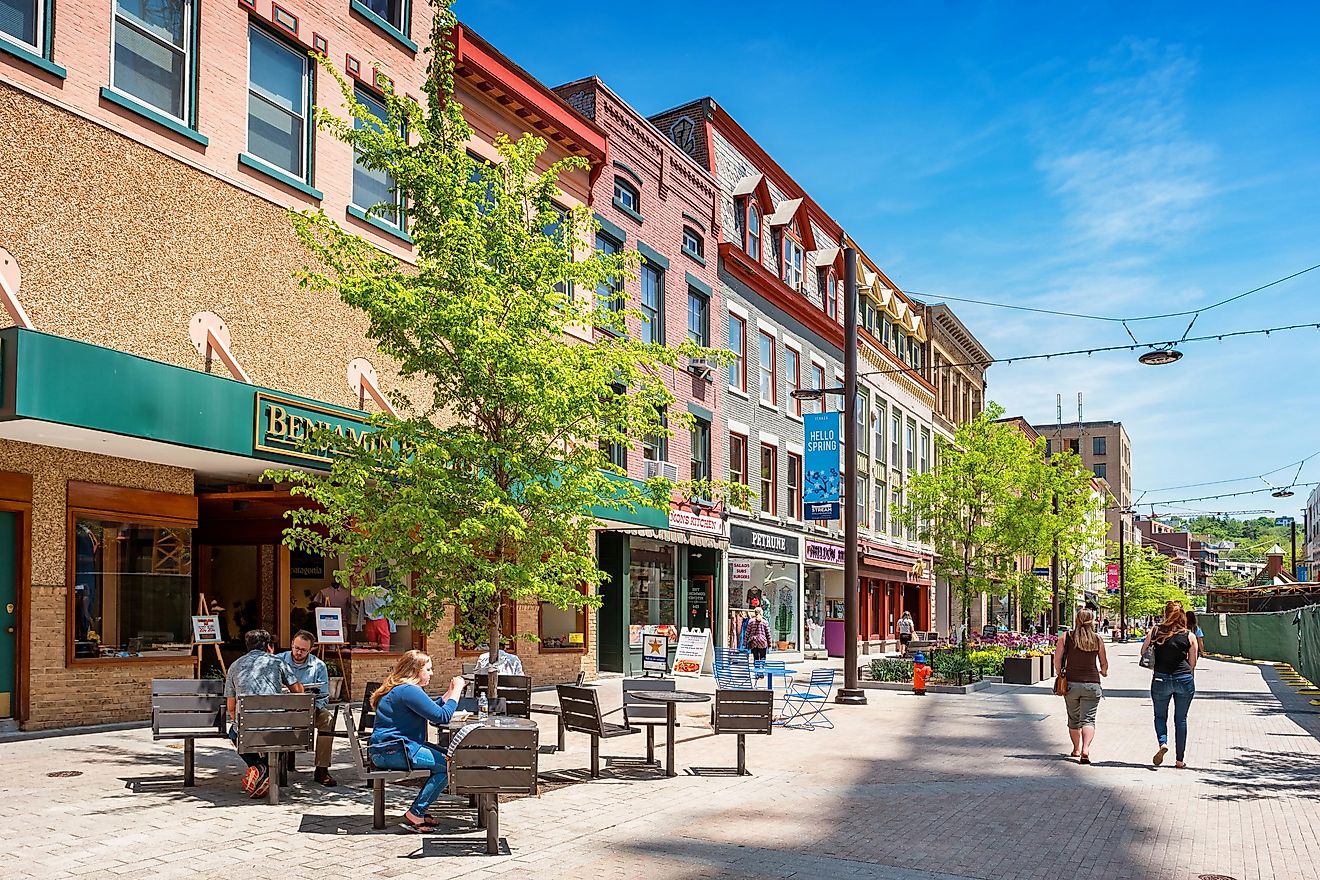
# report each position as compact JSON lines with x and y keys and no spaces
{"x":1291,"y":637}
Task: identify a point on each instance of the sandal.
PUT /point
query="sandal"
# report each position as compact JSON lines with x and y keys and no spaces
{"x":423,"y":827}
{"x":1159,"y":755}
{"x":1084,"y":759}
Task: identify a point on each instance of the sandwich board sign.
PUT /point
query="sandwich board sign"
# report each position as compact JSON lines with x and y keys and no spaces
{"x":206,"y":629}
{"x":694,"y":655}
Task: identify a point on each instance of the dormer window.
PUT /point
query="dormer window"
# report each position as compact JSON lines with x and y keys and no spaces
{"x":831,"y":294}
{"x":790,"y":258}
{"x":752,"y":233}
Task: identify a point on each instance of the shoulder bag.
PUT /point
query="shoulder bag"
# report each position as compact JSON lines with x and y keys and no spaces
{"x":1147,"y":660}
{"x":1061,"y":680}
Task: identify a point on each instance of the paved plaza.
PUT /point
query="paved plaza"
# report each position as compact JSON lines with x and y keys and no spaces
{"x":906,"y":788}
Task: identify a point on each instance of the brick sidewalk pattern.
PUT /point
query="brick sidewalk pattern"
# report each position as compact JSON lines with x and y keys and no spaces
{"x":906,"y":788}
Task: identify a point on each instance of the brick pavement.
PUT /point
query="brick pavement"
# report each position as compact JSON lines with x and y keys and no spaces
{"x":936,"y":788}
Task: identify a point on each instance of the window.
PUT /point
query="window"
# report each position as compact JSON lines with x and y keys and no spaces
{"x":863,"y":436}
{"x":738,"y":345}
{"x":896,"y":438}
{"x":895,"y":505}
{"x":132,"y":586}
{"x":693,"y":245}
{"x":752,"y":244}
{"x":817,"y":383}
{"x":829,"y":285}
{"x":554,"y":230}
{"x":698,"y":317}
{"x":700,"y":449}
{"x":878,"y":523}
{"x":791,"y":258}
{"x":878,"y":419}
{"x":617,"y":454}
{"x":925,"y":450}
{"x":653,"y":303}
{"x":1075,"y":446}
{"x":769,"y":481}
{"x":910,"y":445}
{"x":767,"y":361}
{"x":474,"y":628}
{"x":793,"y":378}
{"x":373,"y":189}
{"x":1101,"y":470}
{"x":608,"y":291}
{"x":656,"y":447}
{"x":738,"y":459}
{"x":1097,"y":445}
{"x":23,"y":21}
{"x":394,"y":12}
{"x":626,"y":197}
{"x":563,"y":629}
{"x":279,"y":84}
{"x":794,"y":485}
{"x":152,"y":53}
{"x":1049,"y":448}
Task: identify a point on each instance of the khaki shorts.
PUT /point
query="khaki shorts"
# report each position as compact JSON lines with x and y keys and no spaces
{"x":1082,"y":700}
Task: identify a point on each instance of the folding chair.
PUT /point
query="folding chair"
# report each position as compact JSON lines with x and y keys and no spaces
{"x":735,"y":672}
{"x":804,"y":702}
{"x":761,"y":665}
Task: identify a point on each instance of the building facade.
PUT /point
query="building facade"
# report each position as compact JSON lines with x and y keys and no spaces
{"x":1106,"y":451}
{"x":153,"y":152}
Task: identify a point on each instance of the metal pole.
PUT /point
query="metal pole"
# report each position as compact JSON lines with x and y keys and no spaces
{"x":1054,"y":576}
{"x":1122,"y":577}
{"x":1292,"y":520}
{"x":850,"y":693}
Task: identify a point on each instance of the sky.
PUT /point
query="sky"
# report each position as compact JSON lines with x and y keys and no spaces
{"x":1110,"y":159}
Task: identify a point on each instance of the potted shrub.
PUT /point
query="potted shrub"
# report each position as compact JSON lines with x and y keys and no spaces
{"x":783,"y":625}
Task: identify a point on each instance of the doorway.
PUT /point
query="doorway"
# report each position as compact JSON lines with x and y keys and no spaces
{"x":8,"y":611}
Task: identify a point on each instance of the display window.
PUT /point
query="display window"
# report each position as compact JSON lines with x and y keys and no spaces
{"x":653,"y":574}
{"x":775,"y":588}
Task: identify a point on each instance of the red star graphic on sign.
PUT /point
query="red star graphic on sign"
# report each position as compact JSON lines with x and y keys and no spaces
{"x":655,"y":647}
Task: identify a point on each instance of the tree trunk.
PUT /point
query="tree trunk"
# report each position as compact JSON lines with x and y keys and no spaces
{"x":493,"y":651}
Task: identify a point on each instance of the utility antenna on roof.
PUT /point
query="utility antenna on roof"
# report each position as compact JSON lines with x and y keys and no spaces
{"x":10,"y":279}
{"x":210,"y":336}
{"x":363,"y":382}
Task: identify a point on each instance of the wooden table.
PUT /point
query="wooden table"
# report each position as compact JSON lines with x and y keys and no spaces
{"x":671,"y":699}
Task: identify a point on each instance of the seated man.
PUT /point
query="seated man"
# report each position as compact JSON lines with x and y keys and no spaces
{"x":258,"y":672}
{"x":312,"y":674}
{"x":506,"y":664}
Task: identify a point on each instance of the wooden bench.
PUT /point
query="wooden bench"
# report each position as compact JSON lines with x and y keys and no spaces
{"x":490,"y":761}
{"x":275,"y":724}
{"x":515,"y":690}
{"x":579,"y":711}
{"x":639,"y":713}
{"x":376,"y":777}
{"x":552,"y":709}
{"x":742,"y":712}
{"x":187,"y":709}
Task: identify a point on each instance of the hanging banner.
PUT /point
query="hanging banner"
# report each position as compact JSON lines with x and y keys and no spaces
{"x":821,"y":480}
{"x":1111,"y":577}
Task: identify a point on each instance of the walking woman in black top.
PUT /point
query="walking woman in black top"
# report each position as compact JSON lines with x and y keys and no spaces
{"x":1175,"y":660}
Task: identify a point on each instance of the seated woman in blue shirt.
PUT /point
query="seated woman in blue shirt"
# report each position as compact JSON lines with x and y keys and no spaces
{"x":402,"y":712}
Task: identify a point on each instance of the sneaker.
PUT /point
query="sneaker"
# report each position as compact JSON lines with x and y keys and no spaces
{"x":324,"y":778}
{"x":263,"y":783}
{"x":250,"y":779}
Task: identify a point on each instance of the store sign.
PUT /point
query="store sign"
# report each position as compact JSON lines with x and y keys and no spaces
{"x":1111,"y":577}
{"x":655,"y":653}
{"x":681,"y":519}
{"x":763,"y":542}
{"x":206,"y":629}
{"x":283,"y":426}
{"x":821,"y":480}
{"x":830,"y":554}
{"x":330,"y":626}
{"x":308,"y":566}
{"x":742,"y":569}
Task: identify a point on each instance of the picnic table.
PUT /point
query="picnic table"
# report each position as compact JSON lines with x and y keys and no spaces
{"x":671,"y":699}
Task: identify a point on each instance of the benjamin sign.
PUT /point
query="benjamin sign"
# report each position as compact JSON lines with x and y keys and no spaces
{"x":283,"y":425}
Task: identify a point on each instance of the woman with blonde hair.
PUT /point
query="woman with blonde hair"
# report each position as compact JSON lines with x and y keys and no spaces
{"x":1175,"y":653}
{"x":399,"y":740}
{"x":1080,"y":657}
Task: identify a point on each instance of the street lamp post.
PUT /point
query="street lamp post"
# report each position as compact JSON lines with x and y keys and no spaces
{"x":850,"y":693}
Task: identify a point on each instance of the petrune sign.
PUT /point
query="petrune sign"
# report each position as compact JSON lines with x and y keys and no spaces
{"x":763,"y":542}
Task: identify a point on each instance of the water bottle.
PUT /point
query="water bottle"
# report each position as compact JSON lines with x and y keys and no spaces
{"x":483,"y":707}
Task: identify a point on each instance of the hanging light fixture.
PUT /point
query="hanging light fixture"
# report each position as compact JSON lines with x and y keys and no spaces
{"x":1158,"y":357}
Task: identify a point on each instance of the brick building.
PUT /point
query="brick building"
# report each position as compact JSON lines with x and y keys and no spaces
{"x":653,"y":198}
{"x":151,"y":156}
{"x":1106,"y":452}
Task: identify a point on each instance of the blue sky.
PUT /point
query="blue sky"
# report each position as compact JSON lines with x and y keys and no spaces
{"x":1113,"y":159}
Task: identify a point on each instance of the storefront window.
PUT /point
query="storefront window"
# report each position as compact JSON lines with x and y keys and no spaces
{"x":653,"y":573}
{"x":312,"y":585}
{"x":563,"y":629}
{"x":474,"y":630}
{"x":132,"y":589}
{"x":774,"y":587}
{"x":813,"y":610}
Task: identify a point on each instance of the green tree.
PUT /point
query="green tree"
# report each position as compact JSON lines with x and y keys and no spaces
{"x":1075,"y":527}
{"x":485,"y":491}
{"x":1148,"y":583}
{"x":1225,"y":579}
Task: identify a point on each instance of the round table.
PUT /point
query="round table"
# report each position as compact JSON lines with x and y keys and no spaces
{"x":671,"y":699}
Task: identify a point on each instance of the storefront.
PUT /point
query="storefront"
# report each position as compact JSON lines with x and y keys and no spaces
{"x":891,"y":581}
{"x":822,"y":593}
{"x":661,"y":577}
{"x":765,"y":571}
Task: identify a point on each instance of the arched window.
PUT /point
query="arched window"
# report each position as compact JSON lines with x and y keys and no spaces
{"x":831,"y":294}
{"x":753,"y":243}
{"x":626,"y":196}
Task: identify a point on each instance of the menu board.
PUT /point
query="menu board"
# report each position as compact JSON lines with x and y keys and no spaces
{"x":206,"y":629}
{"x":330,"y":626}
{"x":694,"y":654}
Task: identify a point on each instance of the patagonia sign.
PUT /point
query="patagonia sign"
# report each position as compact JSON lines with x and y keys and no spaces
{"x":283,"y":426}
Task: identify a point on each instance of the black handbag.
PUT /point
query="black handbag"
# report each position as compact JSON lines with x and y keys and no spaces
{"x":1147,"y":660}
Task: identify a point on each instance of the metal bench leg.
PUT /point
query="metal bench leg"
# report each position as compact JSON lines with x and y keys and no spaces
{"x":560,"y":744}
{"x":650,"y":743}
{"x":378,"y":804}
{"x":274,"y":774}
{"x":188,"y":759}
{"x":478,"y":801}
{"x":595,"y":756}
{"x":493,"y":825}
{"x":284,"y":768}
{"x":742,"y":755}
{"x":671,"y":722}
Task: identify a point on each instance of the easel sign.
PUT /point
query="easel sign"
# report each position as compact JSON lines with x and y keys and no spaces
{"x":694,"y":654}
{"x":206,"y":629}
{"x":655,"y":653}
{"x":330,"y":626}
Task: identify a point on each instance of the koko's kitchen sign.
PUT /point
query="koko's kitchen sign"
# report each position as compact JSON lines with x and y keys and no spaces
{"x":763,"y":542}
{"x":283,"y":425}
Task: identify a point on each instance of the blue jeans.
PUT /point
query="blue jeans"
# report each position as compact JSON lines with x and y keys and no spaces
{"x":1181,"y":689}
{"x":427,"y":757}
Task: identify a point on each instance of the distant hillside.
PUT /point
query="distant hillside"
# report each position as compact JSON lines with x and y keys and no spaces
{"x":1253,"y":537}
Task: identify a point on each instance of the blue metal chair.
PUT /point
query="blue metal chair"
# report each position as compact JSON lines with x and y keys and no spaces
{"x":804,"y":702}
{"x":733,"y":669}
{"x":759,"y":667}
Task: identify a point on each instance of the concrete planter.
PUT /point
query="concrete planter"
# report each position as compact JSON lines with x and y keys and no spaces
{"x":930,"y":688}
{"x":1021,"y":670}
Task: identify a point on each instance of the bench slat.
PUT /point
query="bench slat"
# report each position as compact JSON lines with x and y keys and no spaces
{"x":742,"y":725}
{"x":186,"y":702}
{"x":187,"y":686}
{"x":259,"y":740}
{"x":185,"y":720}
{"x":275,"y":702}
{"x":482,"y":779}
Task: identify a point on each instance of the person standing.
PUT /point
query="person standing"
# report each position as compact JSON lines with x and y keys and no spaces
{"x":1194,"y":629}
{"x":256,"y":673}
{"x":905,"y":629}
{"x":757,"y":636}
{"x":1080,"y":657}
{"x":312,"y":674}
{"x":399,"y":741}
{"x":1176,"y":653}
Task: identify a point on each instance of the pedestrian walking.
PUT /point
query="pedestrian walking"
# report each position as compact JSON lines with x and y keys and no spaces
{"x":1175,"y":653}
{"x":1080,"y":657}
{"x":757,"y":637}
{"x":905,"y":629}
{"x":1195,"y":630}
